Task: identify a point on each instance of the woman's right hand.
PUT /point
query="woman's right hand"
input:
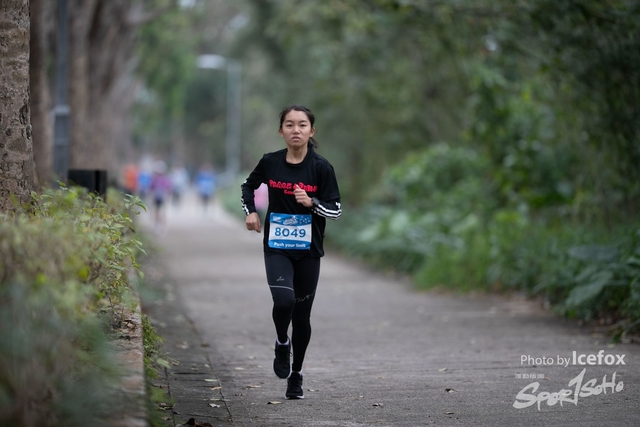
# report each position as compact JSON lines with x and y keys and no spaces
{"x":252,"y":221}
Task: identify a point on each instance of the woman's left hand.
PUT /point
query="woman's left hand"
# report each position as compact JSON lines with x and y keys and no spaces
{"x":302,"y":197}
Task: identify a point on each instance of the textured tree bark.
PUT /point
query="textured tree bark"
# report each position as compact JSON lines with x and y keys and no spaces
{"x":41,"y":104}
{"x":16,"y":147}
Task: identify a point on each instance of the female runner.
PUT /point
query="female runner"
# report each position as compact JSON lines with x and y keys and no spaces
{"x":303,"y":192}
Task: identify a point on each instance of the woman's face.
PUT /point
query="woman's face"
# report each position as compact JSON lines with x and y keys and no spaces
{"x":296,"y":129}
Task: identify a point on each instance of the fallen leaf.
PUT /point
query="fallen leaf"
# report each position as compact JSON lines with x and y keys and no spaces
{"x":183,"y":345}
{"x":450,"y":390}
{"x":442,"y":370}
{"x":449,"y":413}
{"x":274,"y":402}
{"x":211,"y":380}
{"x":163,"y":363}
{"x":239,"y":368}
{"x":377,"y":404}
{"x":213,"y":405}
{"x":253,"y":386}
{"x":215,"y":399}
{"x":216,"y":388}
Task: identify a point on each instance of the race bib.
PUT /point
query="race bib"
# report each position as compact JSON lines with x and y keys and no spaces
{"x":289,"y":231}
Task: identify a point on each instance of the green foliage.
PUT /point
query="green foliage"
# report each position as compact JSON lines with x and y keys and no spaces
{"x":56,"y":367}
{"x":548,"y":90}
{"x":166,"y":64}
{"x":438,"y":220}
{"x":537,"y":105}
{"x":102,"y":258}
{"x":592,"y":46}
{"x":64,"y":264}
{"x":154,"y":361}
{"x":434,"y":199}
{"x":439,"y":176}
{"x":152,"y":343}
{"x":167,"y":59}
{"x":181,"y":112}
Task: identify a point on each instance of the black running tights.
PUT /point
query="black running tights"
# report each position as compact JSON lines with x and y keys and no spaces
{"x":293,"y":285}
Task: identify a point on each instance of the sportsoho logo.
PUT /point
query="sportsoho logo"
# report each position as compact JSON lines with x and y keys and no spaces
{"x":577,"y":387}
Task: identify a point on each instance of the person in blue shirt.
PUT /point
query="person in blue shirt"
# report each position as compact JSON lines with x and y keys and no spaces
{"x":205,"y":183}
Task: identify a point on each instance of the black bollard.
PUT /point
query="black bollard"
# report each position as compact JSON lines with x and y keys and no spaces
{"x":95,"y":180}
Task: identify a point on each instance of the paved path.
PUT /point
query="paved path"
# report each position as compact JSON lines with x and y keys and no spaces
{"x":381,"y":354}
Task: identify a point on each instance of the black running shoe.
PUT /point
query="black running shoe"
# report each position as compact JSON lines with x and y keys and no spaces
{"x":294,"y":386}
{"x":282,"y":362}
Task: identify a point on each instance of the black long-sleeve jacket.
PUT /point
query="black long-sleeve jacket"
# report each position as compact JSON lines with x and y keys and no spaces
{"x":316,"y":176}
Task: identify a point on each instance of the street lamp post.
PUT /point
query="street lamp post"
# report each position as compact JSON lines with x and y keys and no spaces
{"x":234,"y":107}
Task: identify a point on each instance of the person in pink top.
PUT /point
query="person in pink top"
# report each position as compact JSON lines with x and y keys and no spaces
{"x":160,"y":189}
{"x":262,"y":200}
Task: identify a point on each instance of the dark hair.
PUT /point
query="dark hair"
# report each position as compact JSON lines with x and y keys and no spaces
{"x":313,"y":144}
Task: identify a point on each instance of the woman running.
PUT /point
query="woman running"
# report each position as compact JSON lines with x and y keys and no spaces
{"x":303,"y":192}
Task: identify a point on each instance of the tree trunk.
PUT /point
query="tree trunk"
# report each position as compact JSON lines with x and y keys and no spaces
{"x":40,"y":95}
{"x":102,"y":42}
{"x":122,"y":129}
{"x":16,"y":147}
{"x":81,"y":17}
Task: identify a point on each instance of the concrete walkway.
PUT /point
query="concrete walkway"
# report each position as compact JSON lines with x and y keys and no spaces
{"x":381,"y":354}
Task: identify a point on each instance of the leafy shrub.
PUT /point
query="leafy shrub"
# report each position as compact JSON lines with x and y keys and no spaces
{"x":64,"y":264}
{"x":438,"y":219}
{"x":427,"y":205}
{"x":600,"y":280}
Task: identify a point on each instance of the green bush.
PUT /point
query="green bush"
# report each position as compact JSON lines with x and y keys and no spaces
{"x":64,"y":265}
{"x":438,"y":218}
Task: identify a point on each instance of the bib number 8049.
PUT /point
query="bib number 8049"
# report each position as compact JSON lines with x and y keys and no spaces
{"x":287,"y":231}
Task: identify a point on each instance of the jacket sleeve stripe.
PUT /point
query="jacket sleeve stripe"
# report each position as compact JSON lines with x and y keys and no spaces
{"x":322,"y":210}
